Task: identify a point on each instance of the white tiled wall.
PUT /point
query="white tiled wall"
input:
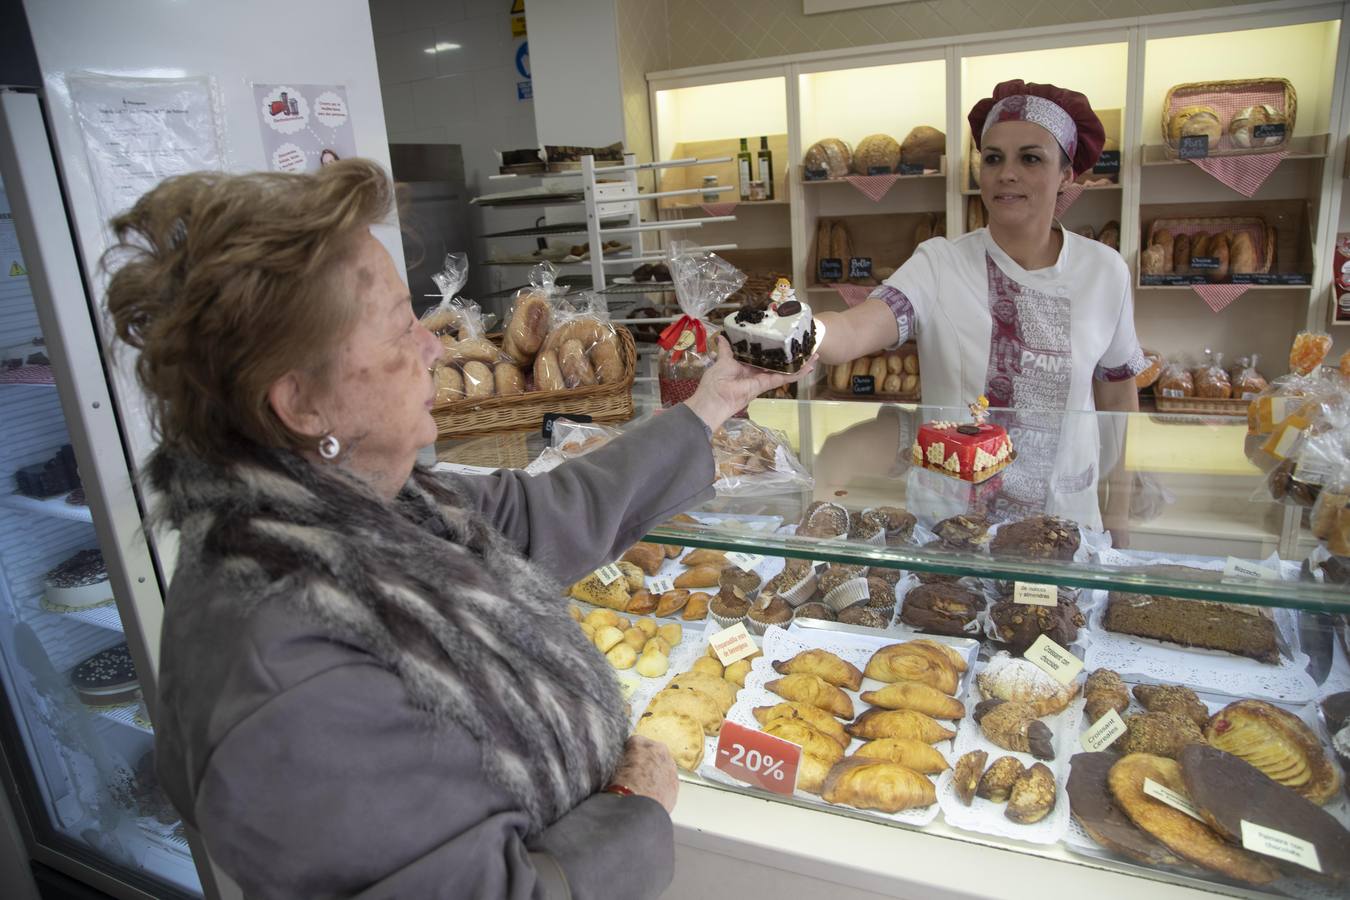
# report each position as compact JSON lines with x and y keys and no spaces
{"x":465,"y":96}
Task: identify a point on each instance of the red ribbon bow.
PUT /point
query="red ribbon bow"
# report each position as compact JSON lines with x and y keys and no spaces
{"x":671,"y":336}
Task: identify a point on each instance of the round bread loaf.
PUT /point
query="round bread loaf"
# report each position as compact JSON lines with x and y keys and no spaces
{"x":923,"y":146}
{"x":876,"y":151}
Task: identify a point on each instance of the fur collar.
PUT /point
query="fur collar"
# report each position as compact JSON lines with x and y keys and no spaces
{"x":475,"y":632}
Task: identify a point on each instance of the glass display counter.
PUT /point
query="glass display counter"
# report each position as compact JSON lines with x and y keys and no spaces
{"x":1078,"y":657}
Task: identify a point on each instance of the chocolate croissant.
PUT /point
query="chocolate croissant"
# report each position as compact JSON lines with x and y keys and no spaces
{"x":825,"y":664}
{"x":807,"y":688}
{"x":918,"y":697}
{"x":1013,"y":725}
{"x":877,"y":784}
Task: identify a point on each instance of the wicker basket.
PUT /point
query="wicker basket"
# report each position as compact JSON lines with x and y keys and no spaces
{"x":1229,"y":98}
{"x":1205,"y":406}
{"x":525,"y":412}
{"x":1263,"y":233}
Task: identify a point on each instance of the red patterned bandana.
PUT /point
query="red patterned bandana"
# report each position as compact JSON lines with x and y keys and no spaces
{"x":1066,"y":114}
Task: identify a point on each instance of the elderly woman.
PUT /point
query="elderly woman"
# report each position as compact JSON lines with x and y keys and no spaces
{"x":1024,"y":311}
{"x":370,"y":685}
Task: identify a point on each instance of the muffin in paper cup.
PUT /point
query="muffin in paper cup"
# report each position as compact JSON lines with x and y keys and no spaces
{"x":814,"y":610}
{"x":796,"y":583}
{"x":727,"y":609}
{"x":848,"y":593}
{"x":768,"y":609}
{"x":867,"y":530}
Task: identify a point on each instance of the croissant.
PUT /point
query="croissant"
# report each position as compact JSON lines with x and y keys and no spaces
{"x":825,"y":664}
{"x":903,"y":662}
{"x":705,"y":558}
{"x":699,"y":577}
{"x":818,"y":718}
{"x":812,"y":742}
{"x":1104,"y":691}
{"x":918,"y":697}
{"x":647,"y":557}
{"x":1013,"y":725}
{"x":877,"y":784}
{"x":1174,"y":699}
{"x":899,"y":723}
{"x":908,"y":752}
{"x":807,"y":688}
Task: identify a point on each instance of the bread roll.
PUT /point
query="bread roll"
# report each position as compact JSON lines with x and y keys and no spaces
{"x":606,"y":361}
{"x":841,"y":247}
{"x":1163,"y":238}
{"x":832,"y":155}
{"x":508,"y":379}
{"x":1200,"y":244}
{"x":1181,"y":254}
{"x":1151,"y":260}
{"x":576,"y":368}
{"x":895,"y":362}
{"x":1193,"y":120}
{"x":1218,"y":248}
{"x":876,"y":151}
{"x":893,"y":384}
{"x":861,"y":366}
{"x":1242,"y":254}
{"x":923,"y":146}
{"x":1240,"y":129}
{"x":547,"y":372}
{"x":449,"y":384}
{"x":479,"y":381}
{"x":472,"y":350}
{"x":529,"y":325}
{"x":839,"y":376}
{"x":878,"y":371}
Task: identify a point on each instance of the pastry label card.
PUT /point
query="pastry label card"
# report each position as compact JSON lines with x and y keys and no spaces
{"x":744,"y":561}
{"x":1171,"y":798}
{"x":1033,"y":594}
{"x":1104,"y":733}
{"x":863,"y":384}
{"x":758,"y":759}
{"x":609,"y":574}
{"x":830,"y":269}
{"x":1239,"y":568}
{"x":732,"y":644}
{"x":1260,"y":839}
{"x":659,"y":584}
{"x":860,"y":267}
{"x":1054,"y":660}
{"x":1193,"y":146}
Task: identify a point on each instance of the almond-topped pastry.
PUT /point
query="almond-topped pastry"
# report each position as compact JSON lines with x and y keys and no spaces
{"x":1012,"y":678}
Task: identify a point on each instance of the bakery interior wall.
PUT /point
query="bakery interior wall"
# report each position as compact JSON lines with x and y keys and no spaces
{"x":705,"y":32}
{"x":463,"y":93}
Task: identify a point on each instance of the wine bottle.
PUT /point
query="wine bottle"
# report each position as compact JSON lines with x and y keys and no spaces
{"x":744,"y":167}
{"x":766,"y":167}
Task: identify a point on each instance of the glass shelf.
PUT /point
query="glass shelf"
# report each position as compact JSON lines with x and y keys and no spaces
{"x":1196,"y":497}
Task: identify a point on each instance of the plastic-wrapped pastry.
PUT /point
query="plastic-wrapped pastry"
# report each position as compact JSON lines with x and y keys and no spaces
{"x":1308,"y":351}
{"x":1211,"y":381}
{"x":1175,"y":382}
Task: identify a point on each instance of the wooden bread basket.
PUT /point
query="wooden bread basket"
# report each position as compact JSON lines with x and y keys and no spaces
{"x":1228,"y":98}
{"x":604,"y":403}
{"x":1263,"y":233}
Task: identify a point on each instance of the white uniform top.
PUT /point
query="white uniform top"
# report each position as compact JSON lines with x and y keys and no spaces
{"x":1029,"y":341}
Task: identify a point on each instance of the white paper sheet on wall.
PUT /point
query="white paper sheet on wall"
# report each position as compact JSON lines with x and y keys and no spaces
{"x":139,"y":131}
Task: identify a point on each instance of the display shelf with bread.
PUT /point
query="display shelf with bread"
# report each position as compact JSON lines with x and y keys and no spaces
{"x":993,"y":754}
{"x":1259,"y":244}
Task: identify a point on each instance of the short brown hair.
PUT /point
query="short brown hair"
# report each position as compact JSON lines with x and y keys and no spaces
{"x":225,"y":283}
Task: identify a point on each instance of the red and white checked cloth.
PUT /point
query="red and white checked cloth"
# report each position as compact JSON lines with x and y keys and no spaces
{"x":719,"y":209}
{"x":1219,"y":296}
{"x":1244,"y":174}
{"x":873,"y":187}
{"x":853,"y":294}
{"x":1068,"y":197}
{"x":34,"y":374}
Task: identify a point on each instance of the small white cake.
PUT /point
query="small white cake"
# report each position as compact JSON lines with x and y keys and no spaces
{"x":780,"y":337}
{"x":80,"y":582}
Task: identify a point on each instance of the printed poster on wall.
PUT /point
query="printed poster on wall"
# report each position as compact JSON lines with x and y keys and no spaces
{"x":304,"y":126}
{"x":139,"y":131}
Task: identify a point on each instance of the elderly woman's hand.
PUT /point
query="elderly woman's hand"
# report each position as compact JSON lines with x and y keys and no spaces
{"x":646,"y":768}
{"x":728,"y":386}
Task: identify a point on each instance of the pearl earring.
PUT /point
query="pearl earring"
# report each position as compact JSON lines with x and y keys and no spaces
{"x":329,"y":448}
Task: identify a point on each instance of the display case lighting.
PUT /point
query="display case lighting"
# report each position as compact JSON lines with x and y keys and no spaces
{"x":442,"y":46}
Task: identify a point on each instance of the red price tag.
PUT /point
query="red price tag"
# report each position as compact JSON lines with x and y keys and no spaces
{"x":757,"y":758}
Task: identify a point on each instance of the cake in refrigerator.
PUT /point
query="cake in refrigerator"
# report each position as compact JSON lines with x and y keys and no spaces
{"x":81,"y":582}
{"x":108,"y":678}
{"x":780,"y":336}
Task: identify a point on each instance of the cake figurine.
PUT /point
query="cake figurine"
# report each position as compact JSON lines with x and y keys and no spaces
{"x":972,"y":452}
{"x":780,"y":336}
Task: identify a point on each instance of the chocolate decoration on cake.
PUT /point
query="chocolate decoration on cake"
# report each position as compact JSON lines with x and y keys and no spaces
{"x":790,"y":308}
{"x":968,"y":429}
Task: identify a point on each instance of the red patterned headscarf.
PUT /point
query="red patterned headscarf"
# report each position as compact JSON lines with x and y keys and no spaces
{"x":1066,"y":114}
